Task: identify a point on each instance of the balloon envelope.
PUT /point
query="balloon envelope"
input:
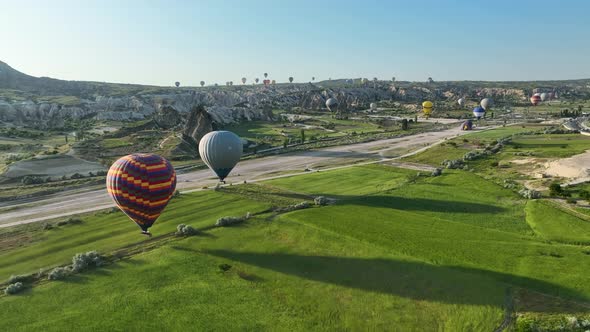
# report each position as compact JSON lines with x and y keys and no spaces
{"x":535,"y":100}
{"x":486,"y":103}
{"x":467,"y":125}
{"x":543,"y":96}
{"x":202,"y":83}
{"x":221,"y":151}
{"x":177,"y":84}
{"x":243,"y":80}
{"x":141,"y":185}
{"x":479,"y":112}
{"x":373,"y":106}
{"x":331,"y":103}
{"x":461,"y":101}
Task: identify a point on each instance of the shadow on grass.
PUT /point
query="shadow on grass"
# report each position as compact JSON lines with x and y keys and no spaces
{"x":415,"y":204}
{"x":415,"y":280}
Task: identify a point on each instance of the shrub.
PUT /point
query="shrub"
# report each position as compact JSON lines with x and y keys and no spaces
{"x":81,"y":262}
{"x":494,"y":164}
{"x":320,"y":200}
{"x":437,"y":172}
{"x":453,"y":164}
{"x":14,"y":288}
{"x":70,"y":221}
{"x":59,"y":273}
{"x":185,"y":230}
{"x":176,"y":193}
{"x":584,"y":194}
{"x":529,"y":193}
{"x":29,"y":179}
{"x":570,"y":200}
{"x":17,"y":278}
{"x":227,"y":221}
{"x":76,"y":176}
{"x":47,"y":226}
{"x":555,"y":189}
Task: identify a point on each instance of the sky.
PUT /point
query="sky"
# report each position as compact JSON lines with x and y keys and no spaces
{"x":160,"y":42}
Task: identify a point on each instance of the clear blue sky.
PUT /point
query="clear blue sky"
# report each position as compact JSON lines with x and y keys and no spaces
{"x":159,"y":42}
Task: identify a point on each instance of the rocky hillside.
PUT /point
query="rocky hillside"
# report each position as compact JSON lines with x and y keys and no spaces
{"x":46,"y":102}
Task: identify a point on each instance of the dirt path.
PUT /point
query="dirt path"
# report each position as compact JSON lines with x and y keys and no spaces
{"x":250,"y":170}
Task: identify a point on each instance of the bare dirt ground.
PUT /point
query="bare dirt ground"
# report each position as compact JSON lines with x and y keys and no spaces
{"x":64,"y":204}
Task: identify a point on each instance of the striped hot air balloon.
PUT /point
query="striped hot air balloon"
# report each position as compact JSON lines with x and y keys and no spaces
{"x":141,"y":185}
{"x":535,"y":100}
{"x":479,"y":112}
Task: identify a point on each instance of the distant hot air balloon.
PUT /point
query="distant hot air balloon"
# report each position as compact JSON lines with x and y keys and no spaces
{"x":467,"y":125}
{"x":256,"y":80}
{"x":332,"y":104}
{"x":393,"y":79}
{"x":202,"y":83}
{"x":427,"y":108}
{"x":535,"y":100}
{"x":486,"y":103}
{"x":244,"y":80}
{"x":265,"y":75}
{"x":373,"y":107}
{"x":537,"y":94}
{"x":479,"y":112}
{"x":177,"y":84}
{"x":461,"y":102}
{"x":291,"y":79}
{"x":313,"y":78}
{"x":273,"y":82}
{"x":141,"y":185}
{"x":221,"y":151}
{"x":543,"y":96}
{"x":266,"y":82}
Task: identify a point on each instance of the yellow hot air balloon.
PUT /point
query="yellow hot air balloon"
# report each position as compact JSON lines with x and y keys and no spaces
{"x":427,"y":108}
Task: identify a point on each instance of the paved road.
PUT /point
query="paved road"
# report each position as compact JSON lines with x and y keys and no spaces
{"x":64,"y":204}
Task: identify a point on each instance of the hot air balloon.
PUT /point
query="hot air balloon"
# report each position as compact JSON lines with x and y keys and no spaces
{"x":177,"y":84}
{"x":332,"y":104}
{"x":373,"y":107}
{"x":266,"y":82}
{"x":273,"y":82}
{"x":291,"y":79}
{"x":243,"y":80}
{"x":543,"y":96}
{"x":265,"y":75}
{"x":256,"y":80}
{"x":393,"y":79}
{"x":427,"y":108}
{"x":221,"y":151}
{"x":535,"y":100}
{"x":313,"y":78}
{"x":461,"y":102}
{"x":141,"y":185}
{"x":479,"y":112}
{"x":486,"y":103}
{"x":467,"y":125}
{"x":202,"y":83}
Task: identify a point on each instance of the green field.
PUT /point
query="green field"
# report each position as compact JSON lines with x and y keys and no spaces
{"x":394,"y":249}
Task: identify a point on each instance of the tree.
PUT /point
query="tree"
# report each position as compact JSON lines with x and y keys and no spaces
{"x":405,"y":124}
{"x":302,"y":136}
{"x":555,"y":189}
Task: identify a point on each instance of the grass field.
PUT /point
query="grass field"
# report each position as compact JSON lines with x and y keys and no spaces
{"x":394,"y":251}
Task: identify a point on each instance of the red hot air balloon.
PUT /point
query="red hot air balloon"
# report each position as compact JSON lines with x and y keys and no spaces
{"x":141,"y":185}
{"x":266,"y":82}
{"x":535,"y":100}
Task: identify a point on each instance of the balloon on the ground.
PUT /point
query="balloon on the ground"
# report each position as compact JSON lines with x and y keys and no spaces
{"x":141,"y":185}
{"x":461,"y":101}
{"x":373,"y":106}
{"x":467,"y":125}
{"x":221,"y":151}
{"x":427,"y":108}
{"x":479,"y":112}
{"x":535,"y":100}
{"x":486,"y":103}
{"x":332,"y":104}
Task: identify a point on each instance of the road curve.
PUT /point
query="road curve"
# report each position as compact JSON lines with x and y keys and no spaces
{"x":65,"y":204}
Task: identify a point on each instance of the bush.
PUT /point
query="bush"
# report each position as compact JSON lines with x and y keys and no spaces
{"x":70,"y":221}
{"x":453,"y":164}
{"x":17,"y":278}
{"x":29,"y":179}
{"x":437,"y":172}
{"x":176,"y":193}
{"x":584,"y":194}
{"x":47,"y":226}
{"x":76,"y":176}
{"x":555,"y":189}
{"x":570,"y":200}
{"x":227,"y":221}
{"x":529,"y":193}
{"x":59,"y":273}
{"x":185,"y":230}
{"x":81,"y":262}
{"x":14,"y":288}
{"x":320,"y":200}
{"x":495,"y":164}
